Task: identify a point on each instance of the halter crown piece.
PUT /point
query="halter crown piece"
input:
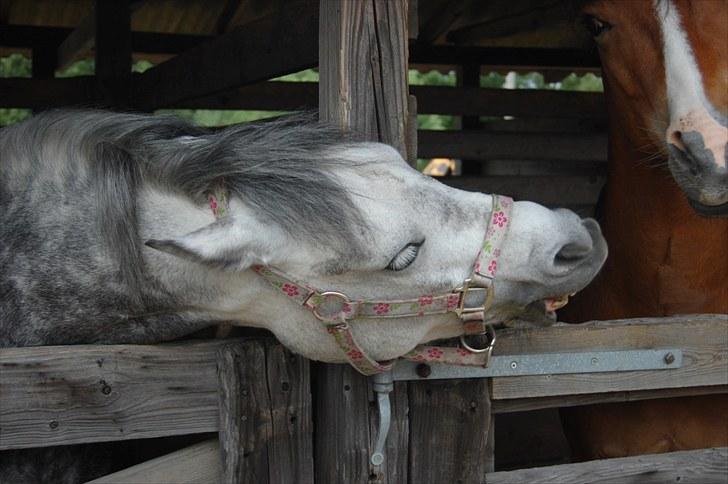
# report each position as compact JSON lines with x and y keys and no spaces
{"x":470,"y":301}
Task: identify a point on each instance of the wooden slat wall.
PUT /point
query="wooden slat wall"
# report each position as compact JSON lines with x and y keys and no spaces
{"x":705,"y":466}
{"x":59,"y":395}
{"x":703,"y":339}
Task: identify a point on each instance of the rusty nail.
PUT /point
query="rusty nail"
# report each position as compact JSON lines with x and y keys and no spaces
{"x":423,"y":370}
{"x":53,"y":425}
{"x":106,"y":390}
{"x":669,"y":358}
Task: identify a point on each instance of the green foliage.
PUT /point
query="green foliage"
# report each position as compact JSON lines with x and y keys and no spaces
{"x":309,"y":75}
{"x":211,"y":118}
{"x":15,"y":65}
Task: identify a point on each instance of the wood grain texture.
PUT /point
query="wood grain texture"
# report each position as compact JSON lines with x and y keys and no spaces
{"x":291,"y":446}
{"x":551,"y":191}
{"x":363,"y":88}
{"x":703,"y":339}
{"x":705,"y":466}
{"x":481,"y":145}
{"x":245,"y":426}
{"x":363,"y":68}
{"x":197,"y":464}
{"x":59,"y":395}
{"x":449,"y":424}
{"x":526,"y":404}
{"x":280,"y":43}
{"x":265,"y":415}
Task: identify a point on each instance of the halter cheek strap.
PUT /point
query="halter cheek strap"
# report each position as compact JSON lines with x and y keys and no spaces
{"x":470,"y":301}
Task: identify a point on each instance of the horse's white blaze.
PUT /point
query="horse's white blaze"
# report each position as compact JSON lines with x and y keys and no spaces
{"x":688,"y":105}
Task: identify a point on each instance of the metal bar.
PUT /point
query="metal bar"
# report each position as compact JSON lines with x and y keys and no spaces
{"x":546,"y":364}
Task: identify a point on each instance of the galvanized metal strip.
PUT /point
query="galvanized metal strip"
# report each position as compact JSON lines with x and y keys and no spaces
{"x":546,"y":364}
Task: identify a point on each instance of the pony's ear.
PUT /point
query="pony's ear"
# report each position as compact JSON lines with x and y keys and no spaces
{"x":222,"y":244}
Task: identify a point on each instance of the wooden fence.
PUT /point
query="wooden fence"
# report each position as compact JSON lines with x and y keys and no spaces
{"x":260,"y":399}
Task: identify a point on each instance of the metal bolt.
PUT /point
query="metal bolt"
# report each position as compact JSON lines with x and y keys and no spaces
{"x":423,"y":370}
{"x":594,"y":361}
{"x":669,"y":358}
{"x":106,"y":389}
{"x":514,"y":365}
{"x":244,"y":418}
{"x":53,"y":425}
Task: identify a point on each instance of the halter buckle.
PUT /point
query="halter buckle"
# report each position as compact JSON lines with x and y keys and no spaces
{"x":339,"y":316}
{"x":464,"y":290}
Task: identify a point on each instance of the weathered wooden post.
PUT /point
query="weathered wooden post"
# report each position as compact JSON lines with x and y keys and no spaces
{"x":439,"y":430}
{"x":363,"y":88}
{"x":265,"y":415}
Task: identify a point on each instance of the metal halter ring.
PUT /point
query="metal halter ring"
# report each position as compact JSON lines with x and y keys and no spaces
{"x":336,"y":317}
{"x":489,"y":331}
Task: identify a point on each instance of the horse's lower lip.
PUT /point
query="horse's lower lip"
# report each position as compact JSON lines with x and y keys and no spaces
{"x":709,"y":210}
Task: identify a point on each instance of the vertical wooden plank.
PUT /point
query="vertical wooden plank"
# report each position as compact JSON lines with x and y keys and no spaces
{"x":469,"y":76}
{"x":362,"y":88}
{"x":342,"y":426}
{"x":363,"y":68}
{"x":449,"y":423}
{"x":113,"y":53}
{"x":291,"y":449}
{"x":245,"y":419}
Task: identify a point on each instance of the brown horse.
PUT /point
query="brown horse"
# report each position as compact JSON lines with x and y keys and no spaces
{"x":665,"y":67}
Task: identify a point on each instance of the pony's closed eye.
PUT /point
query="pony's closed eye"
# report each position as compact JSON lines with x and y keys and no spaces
{"x":405,"y":257}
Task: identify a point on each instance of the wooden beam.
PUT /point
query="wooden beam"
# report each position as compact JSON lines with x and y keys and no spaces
{"x":283,"y":42}
{"x":46,"y":93}
{"x":78,"y":42}
{"x":704,"y":466}
{"x":197,"y":464}
{"x":475,"y":101}
{"x":421,"y":53}
{"x":470,"y":101}
{"x":528,"y":404}
{"x":112,"y":28}
{"x":702,"y":338}
{"x":552,"y":191}
{"x":147,"y":42}
{"x":479,"y":145}
{"x":59,"y":395}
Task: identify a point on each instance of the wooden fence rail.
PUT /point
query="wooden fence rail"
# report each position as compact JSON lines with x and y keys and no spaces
{"x":58,"y":395}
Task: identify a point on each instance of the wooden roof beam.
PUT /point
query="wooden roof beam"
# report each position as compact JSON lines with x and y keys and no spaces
{"x":284,"y":41}
{"x":83,"y":38}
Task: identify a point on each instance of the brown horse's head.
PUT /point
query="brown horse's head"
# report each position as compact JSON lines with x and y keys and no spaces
{"x":665,"y":66}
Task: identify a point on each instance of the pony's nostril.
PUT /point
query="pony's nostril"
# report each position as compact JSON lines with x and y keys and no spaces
{"x":571,"y":253}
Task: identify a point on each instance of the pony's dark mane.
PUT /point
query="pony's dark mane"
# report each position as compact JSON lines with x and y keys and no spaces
{"x":281,"y":168}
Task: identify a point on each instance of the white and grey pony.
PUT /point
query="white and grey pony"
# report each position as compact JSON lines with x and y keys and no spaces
{"x":82,"y":191}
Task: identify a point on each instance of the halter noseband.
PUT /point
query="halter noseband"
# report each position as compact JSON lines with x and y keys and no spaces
{"x":470,"y":301}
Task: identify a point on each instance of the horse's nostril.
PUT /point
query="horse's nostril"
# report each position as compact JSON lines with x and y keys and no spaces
{"x":571,"y":253}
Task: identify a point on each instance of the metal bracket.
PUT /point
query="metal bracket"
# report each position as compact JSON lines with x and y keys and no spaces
{"x":514,"y":365}
{"x":545,"y":364}
{"x":383,"y":386}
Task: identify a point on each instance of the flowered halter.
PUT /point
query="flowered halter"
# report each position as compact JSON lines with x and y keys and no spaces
{"x":470,"y":301}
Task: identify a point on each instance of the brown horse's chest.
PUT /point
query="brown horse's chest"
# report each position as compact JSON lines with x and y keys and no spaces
{"x":693,"y":276}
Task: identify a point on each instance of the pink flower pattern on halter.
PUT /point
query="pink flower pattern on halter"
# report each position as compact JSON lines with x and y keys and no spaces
{"x":381,"y":308}
{"x":425,"y":300}
{"x":290,"y":289}
{"x":500,"y":219}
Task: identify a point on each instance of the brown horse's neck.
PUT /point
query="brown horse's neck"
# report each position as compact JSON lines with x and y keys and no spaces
{"x":664,"y":258}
